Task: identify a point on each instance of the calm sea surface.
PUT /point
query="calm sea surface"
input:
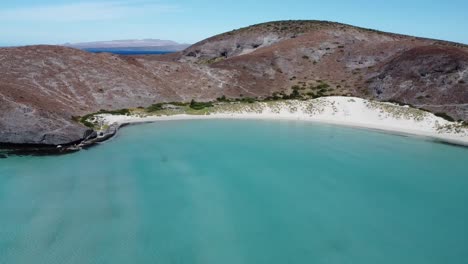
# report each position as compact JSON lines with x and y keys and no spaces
{"x":128,"y":52}
{"x":239,"y":192}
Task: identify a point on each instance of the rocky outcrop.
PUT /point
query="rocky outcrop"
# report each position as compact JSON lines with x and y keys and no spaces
{"x":430,"y":77}
{"x":42,"y":88}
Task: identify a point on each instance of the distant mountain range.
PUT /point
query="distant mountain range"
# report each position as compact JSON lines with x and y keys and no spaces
{"x":131,"y":44}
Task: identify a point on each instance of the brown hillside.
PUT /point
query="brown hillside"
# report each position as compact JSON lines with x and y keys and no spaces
{"x":42,"y":87}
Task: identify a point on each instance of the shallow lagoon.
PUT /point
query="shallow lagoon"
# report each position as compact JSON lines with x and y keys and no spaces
{"x":217,"y":191}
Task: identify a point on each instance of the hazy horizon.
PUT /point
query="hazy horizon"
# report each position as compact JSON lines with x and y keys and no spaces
{"x":187,"y":21}
{"x":185,"y":43}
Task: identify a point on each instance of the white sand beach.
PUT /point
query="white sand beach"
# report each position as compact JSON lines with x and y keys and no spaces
{"x":348,"y":111}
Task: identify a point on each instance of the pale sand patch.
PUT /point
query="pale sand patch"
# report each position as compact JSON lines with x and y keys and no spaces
{"x":348,"y":111}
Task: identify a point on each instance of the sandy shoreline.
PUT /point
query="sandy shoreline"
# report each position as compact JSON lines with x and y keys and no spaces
{"x":344,"y":111}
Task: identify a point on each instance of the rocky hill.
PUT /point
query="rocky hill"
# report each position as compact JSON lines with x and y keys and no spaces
{"x":274,"y":56}
{"x":43,"y":87}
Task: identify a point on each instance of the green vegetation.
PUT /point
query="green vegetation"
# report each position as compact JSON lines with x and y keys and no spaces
{"x":115,"y":112}
{"x":295,"y":87}
{"x":84,"y":120}
{"x":248,"y":100}
{"x":313,"y":95}
{"x":200,"y":105}
{"x":163,"y":106}
{"x":319,"y":90}
{"x":305,"y":90}
{"x":178,"y":103}
{"x":274,"y":97}
{"x":322,"y":86}
{"x":155,"y":107}
{"x":242,"y":99}
{"x":295,"y":94}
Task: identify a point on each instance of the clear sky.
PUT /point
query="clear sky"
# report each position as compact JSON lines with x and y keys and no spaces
{"x":60,"y":21}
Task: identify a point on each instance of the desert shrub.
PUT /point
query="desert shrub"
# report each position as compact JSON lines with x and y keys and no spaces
{"x":200,"y":105}
{"x":249,"y":100}
{"x":178,"y":103}
{"x":272,"y":98}
{"x":322,"y":86}
{"x":295,"y":87}
{"x":84,"y":120}
{"x":115,"y":112}
{"x":155,"y":107}
{"x":295,"y":95}
{"x":222,"y":99}
{"x":276,"y":96}
{"x":87,"y":123}
{"x":313,"y":95}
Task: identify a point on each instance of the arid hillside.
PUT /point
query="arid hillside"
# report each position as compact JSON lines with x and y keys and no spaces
{"x":43,"y":87}
{"x":276,"y":56}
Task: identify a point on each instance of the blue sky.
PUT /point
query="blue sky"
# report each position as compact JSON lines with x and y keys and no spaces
{"x":60,"y":21}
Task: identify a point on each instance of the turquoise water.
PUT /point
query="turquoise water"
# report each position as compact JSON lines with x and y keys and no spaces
{"x":238,"y":192}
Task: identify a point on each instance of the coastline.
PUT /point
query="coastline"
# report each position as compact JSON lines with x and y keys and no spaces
{"x":452,"y":140}
{"x":341,"y":111}
{"x":335,"y":110}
